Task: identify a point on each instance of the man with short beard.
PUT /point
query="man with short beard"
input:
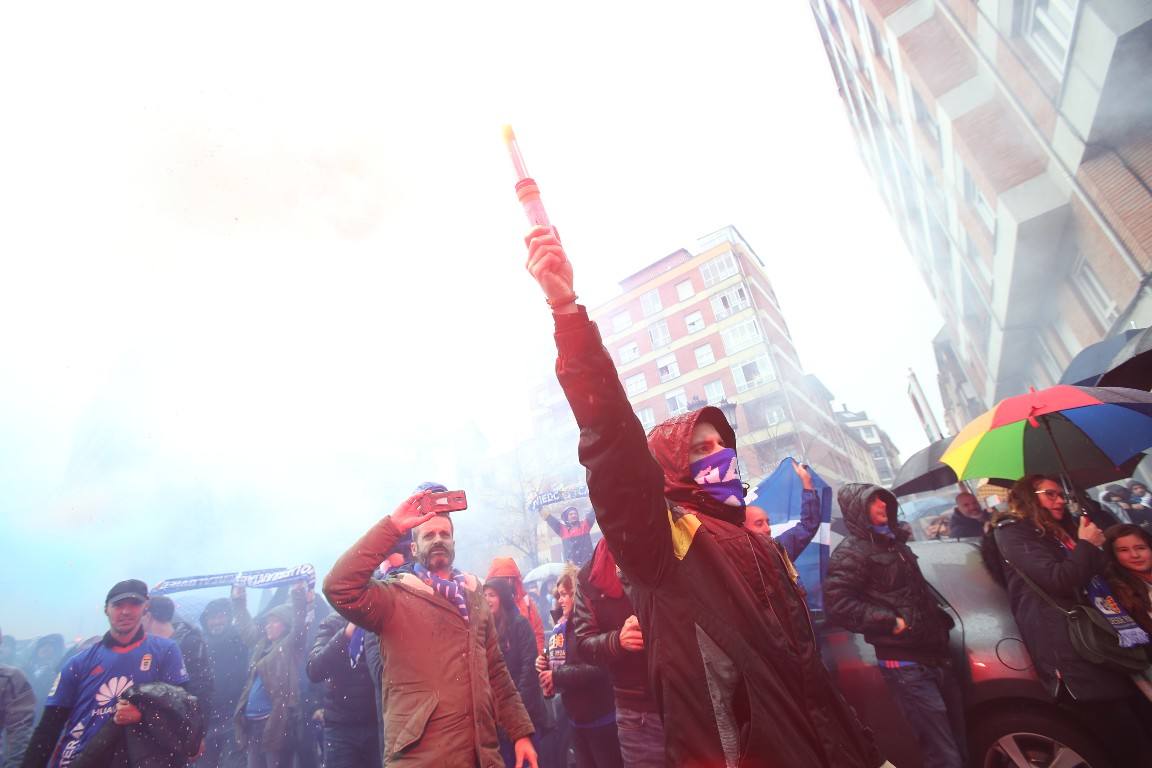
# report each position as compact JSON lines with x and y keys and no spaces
{"x":446,"y":687}
{"x":968,"y":518}
{"x":89,"y":690}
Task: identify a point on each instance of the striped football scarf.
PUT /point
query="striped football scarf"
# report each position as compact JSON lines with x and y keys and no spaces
{"x":451,"y":589}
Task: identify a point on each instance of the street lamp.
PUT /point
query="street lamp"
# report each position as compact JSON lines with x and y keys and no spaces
{"x":729,"y":410}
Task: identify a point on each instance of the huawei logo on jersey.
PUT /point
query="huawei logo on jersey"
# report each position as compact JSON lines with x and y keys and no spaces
{"x":112,"y":690}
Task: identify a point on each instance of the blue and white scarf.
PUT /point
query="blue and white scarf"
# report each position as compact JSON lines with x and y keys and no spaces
{"x":451,"y":589}
{"x":1100,"y":596}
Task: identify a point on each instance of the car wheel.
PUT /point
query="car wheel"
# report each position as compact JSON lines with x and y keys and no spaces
{"x":1034,"y":739}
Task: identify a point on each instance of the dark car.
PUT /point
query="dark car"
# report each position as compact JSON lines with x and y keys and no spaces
{"x":1011,"y":721}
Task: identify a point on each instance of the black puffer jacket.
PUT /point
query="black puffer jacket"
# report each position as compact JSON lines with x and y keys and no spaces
{"x":873,"y":578}
{"x":1063,"y":574}
{"x":168,"y":736}
{"x":709,"y":595}
{"x":349,"y":696}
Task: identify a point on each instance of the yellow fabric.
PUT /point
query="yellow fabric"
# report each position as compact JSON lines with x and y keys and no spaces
{"x":960,"y":452}
{"x":683,"y":530}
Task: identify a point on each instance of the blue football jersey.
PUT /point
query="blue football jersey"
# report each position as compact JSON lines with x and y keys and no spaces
{"x":92,"y":681}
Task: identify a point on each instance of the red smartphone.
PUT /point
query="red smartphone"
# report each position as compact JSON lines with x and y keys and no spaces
{"x":448,"y":501}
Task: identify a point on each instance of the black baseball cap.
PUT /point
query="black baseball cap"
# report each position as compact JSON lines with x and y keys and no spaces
{"x":132,"y":589}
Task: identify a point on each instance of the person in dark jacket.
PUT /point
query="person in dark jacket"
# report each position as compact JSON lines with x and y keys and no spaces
{"x":160,"y":620}
{"x":875,"y":588}
{"x":518,"y":646}
{"x":607,"y":633}
{"x":1038,"y":538}
{"x":17,"y":713}
{"x":351,"y":717}
{"x":575,"y":534}
{"x":43,"y":663}
{"x":268,"y":708}
{"x":968,"y":519}
{"x":584,"y":688}
{"x":168,"y":734}
{"x":732,"y":657}
{"x":228,"y":656}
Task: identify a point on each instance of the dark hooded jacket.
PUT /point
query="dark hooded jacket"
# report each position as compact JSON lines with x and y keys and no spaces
{"x":349,"y":696}
{"x":873,"y":578}
{"x":41,"y":669}
{"x":197,"y":661}
{"x":718,"y":610}
{"x":228,"y":656}
{"x":168,"y":735}
{"x":278,"y":663}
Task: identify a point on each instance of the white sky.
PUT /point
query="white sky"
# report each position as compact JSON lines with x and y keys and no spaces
{"x":252,"y":251}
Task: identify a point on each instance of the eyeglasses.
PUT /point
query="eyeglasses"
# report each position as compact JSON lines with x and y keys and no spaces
{"x":1052,"y":495}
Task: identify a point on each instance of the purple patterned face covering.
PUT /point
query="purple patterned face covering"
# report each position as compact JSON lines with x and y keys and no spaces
{"x":718,"y":476}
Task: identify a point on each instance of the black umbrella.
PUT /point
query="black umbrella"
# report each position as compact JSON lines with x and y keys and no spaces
{"x":1132,"y":365}
{"x":924,"y":472}
{"x":1094,"y":360}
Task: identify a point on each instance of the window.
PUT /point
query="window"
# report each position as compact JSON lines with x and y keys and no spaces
{"x":1048,"y":28}
{"x":621,"y":321}
{"x":684,"y":290}
{"x":732,"y":300}
{"x":978,"y":202}
{"x":1093,"y":293}
{"x":868,"y":433}
{"x":704,"y":356}
{"x":647,"y":418}
{"x":717,"y":269}
{"x":650,"y":303}
{"x":877,"y":452}
{"x":753,"y":373}
{"x":677,"y":402}
{"x":694,"y":322}
{"x":879,"y":46}
{"x":667,"y":368}
{"x":634,"y":385}
{"x":740,"y":336}
{"x":629,"y":352}
{"x":925,"y":117}
{"x":659,"y":334}
{"x":714,"y":391}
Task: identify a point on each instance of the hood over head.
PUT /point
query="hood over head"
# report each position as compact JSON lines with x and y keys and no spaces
{"x":669,"y":443}
{"x":506,"y":568}
{"x":853,"y":499}
{"x":219,"y":605}
{"x":54,"y":641}
{"x":284,"y":612}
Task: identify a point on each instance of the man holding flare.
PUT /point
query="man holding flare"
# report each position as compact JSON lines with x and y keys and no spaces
{"x":733,"y":661}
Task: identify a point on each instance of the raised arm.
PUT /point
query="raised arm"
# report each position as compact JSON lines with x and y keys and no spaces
{"x":349,"y":586}
{"x":625,"y":484}
{"x":1063,"y":578}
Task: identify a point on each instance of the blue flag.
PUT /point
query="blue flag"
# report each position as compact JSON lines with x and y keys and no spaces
{"x":781,"y":495}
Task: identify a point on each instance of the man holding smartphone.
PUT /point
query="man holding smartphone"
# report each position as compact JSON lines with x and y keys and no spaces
{"x":445,"y":685}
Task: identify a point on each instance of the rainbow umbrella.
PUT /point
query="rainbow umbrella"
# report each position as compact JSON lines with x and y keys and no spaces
{"x":1054,"y":431}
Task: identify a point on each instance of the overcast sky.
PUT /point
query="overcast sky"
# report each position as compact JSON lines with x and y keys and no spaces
{"x":255,"y":255}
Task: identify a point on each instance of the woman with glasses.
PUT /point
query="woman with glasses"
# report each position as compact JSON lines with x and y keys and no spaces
{"x":1038,"y":538}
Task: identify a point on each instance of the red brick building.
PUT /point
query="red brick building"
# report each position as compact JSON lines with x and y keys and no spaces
{"x":1012,"y":143}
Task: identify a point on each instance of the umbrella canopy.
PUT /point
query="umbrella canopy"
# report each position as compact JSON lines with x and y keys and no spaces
{"x":925,"y":472}
{"x":1059,"y":430}
{"x":1132,"y":365}
{"x":1094,"y":360}
{"x":545,"y":571}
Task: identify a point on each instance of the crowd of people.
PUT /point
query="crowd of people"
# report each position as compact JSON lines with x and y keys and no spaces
{"x":681,"y":638}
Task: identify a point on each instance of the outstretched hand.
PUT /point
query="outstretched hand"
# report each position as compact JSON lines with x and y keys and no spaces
{"x":408,"y":515}
{"x":802,"y":472}
{"x":549,"y":265}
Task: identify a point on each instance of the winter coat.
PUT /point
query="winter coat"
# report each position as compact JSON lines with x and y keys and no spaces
{"x":576,"y":538}
{"x":599,"y":611}
{"x":194,"y":651}
{"x":228,"y":657}
{"x":278,"y":664}
{"x":585,"y":689}
{"x":518,"y":647}
{"x":446,"y":686}
{"x":167,"y":736}
{"x":17,"y":712}
{"x":709,"y":594}
{"x":960,"y":526}
{"x":349,"y":696}
{"x":1063,"y":574}
{"x":873,"y":578}
{"x":41,"y":671}
{"x":506,"y":568}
